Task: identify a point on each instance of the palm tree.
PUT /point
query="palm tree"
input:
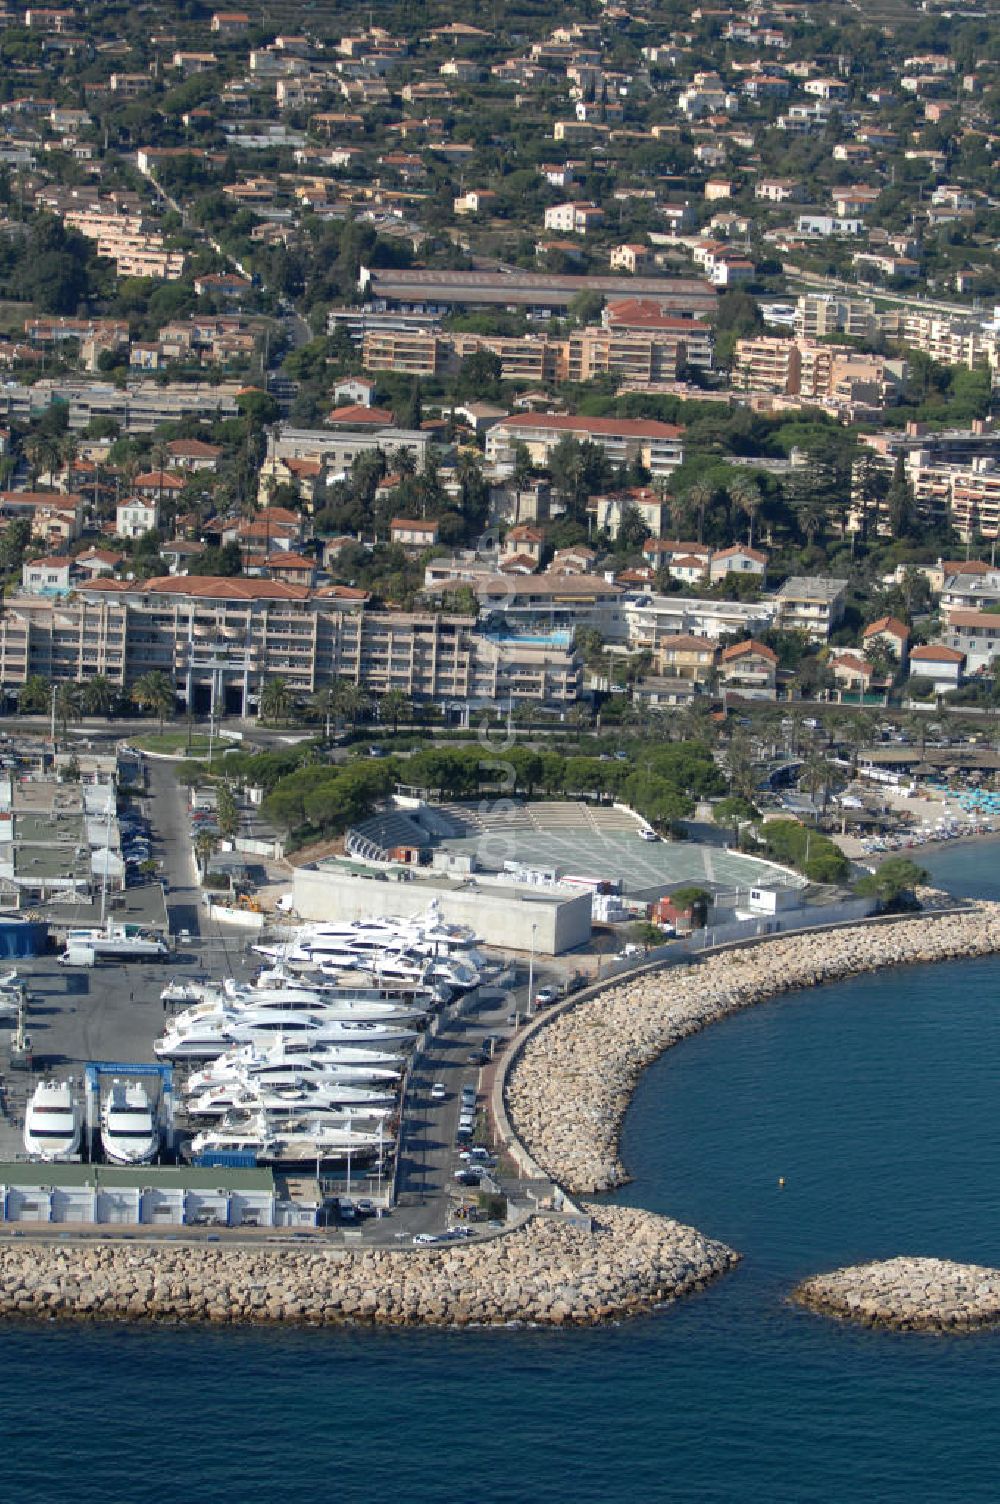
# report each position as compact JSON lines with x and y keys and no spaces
{"x":812,"y":517}
{"x":160,"y":459}
{"x":352,"y":701}
{"x":275,"y":700}
{"x":68,"y":698}
{"x":323,"y":706}
{"x":98,"y":696}
{"x":817,"y":775}
{"x":35,"y":695}
{"x":394,"y":706}
{"x":681,"y":514}
{"x":204,"y":846}
{"x":699,"y":498}
{"x":746,"y":495}
{"x":43,"y":455}
{"x":155,"y":692}
{"x":69,"y":450}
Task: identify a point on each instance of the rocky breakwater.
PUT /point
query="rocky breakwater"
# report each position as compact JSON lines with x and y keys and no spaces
{"x":569,"y":1087}
{"x":908,"y":1294}
{"x":548,"y":1271}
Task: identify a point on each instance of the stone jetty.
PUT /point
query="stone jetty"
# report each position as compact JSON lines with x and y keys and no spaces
{"x":571,"y":1082}
{"x":548,"y":1271}
{"x":907,"y":1294}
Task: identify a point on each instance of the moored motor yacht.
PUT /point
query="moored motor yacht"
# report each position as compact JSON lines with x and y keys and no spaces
{"x":305,"y":1144}
{"x":52,"y":1122}
{"x":129,"y":1131}
{"x":343,"y":1063}
{"x":291,"y":1099}
{"x":206,"y":1036}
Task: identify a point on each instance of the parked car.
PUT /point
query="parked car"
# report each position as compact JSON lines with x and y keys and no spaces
{"x":545,"y":997}
{"x":438,"y":1091}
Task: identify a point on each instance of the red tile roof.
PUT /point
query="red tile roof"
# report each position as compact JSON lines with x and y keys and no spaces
{"x":890,"y":624}
{"x":741,"y":649}
{"x":936,"y":652}
{"x":226,"y":588}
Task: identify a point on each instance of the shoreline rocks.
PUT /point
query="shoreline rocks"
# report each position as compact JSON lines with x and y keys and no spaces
{"x":907,"y":1295}
{"x":547,"y":1272}
{"x":570,"y":1085}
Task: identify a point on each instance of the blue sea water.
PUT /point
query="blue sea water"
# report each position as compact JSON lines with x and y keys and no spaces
{"x":876,"y":1100}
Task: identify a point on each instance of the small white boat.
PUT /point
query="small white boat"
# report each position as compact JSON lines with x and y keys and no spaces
{"x":129,"y":1130}
{"x":52,"y":1122}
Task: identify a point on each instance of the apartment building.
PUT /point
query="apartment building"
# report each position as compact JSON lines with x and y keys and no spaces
{"x":646,"y":316}
{"x":767,"y":363}
{"x":220,"y":640}
{"x":812,"y":604}
{"x":577,"y":218}
{"x":820,"y":314}
{"x":954,"y":477}
{"x":832,"y":376}
{"x":976,"y":634}
{"x":137,"y":409}
{"x":125,"y":240}
{"x":637,"y":358}
{"x":409,"y":352}
{"x":339,"y":449}
{"x":659,"y":447}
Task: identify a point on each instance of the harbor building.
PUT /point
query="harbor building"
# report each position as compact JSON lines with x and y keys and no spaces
{"x":151,"y":1196}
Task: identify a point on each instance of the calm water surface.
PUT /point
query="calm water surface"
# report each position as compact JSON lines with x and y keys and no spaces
{"x":876,"y":1100}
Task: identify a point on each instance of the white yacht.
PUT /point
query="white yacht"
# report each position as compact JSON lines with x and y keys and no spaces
{"x":129,"y":1130}
{"x":320,"y":1008}
{"x":52,"y":1122}
{"x":340,"y":1063}
{"x":206,"y":1036}
{"x":310,"y":1142}
{"x":284,"y":1094}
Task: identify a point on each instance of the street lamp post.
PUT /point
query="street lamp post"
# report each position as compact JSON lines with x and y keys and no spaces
{"x":531,"y":972}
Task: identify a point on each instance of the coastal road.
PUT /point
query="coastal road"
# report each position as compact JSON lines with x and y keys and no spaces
{"x":429,"y":1150}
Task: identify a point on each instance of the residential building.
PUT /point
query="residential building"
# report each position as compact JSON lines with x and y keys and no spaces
{"x":976,"y":634}
{"x":646,"y":505}
{"x":220,"y":640}
{"x":853,"y":673}
{"x":576,"y":218}
{"x":683,"y":656}
{"x":740,"y":559}
{"x":944,"y":666}
{"x":411,"y":533}
{"x":890,"y":634}
{"x":630,"y":258}
{"x":475,"y":201}
{"x":749,"y":670}
{"x":657,"y":446}
{"x":135,"y":517}
{"x":49,"y":575}
{"x":525,"y":541}
{"x":812,"y":604}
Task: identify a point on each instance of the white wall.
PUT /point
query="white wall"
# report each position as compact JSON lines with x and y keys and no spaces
{"x":497,"y":917}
